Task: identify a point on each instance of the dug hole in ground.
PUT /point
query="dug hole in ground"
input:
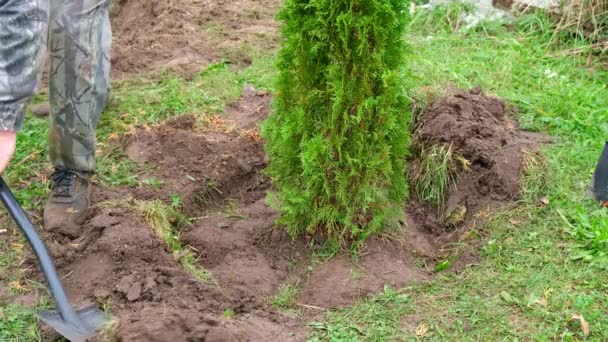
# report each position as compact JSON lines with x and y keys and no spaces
{"x":122,"y":263}
{"x":217,"y":170}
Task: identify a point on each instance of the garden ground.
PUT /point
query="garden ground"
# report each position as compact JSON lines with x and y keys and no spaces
{"x":181,"y":244}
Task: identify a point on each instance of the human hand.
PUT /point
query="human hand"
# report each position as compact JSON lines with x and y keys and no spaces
{"x":8,"y":140}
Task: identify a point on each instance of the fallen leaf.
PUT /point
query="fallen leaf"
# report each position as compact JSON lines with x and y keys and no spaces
{"x":17,"y":286}
{"x":422,"y":329}
{"x":17,"y":247}
{"x":584,"y":323}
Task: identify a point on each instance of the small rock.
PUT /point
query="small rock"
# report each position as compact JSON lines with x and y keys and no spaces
{"x":456,"y":216}
{"x":134,"y":292}
{"x":101,"y":295}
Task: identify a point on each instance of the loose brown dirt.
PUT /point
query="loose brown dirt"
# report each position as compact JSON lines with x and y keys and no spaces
{"x":480,"y":129}
{"x":199,"y":168}
{"x":185,"y":35}
{"x":120,"y":261}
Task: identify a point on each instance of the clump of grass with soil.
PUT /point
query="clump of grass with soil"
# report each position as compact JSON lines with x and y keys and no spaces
{"x":434,"y":173}
{"x":166,"y":221}
{"x":338,"y":137}
{"x":286,"y":297}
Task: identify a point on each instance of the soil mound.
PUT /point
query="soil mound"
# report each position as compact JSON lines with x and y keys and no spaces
{"x":186,"y":35}
{"x":198,"y":168}
{"x":478,"y":128}
{"x":121,"y":262}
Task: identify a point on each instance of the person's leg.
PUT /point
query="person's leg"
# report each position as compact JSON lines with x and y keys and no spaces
{"x":79,"y":53}
{"x":43,"y":109}
{"x":79,"y":48}
{"x":23,"y":37}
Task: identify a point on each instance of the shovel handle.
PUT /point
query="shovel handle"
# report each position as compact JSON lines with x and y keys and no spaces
{"x":46,"y":262}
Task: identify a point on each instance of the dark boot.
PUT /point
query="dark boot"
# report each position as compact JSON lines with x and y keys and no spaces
{"x":68,"y":203}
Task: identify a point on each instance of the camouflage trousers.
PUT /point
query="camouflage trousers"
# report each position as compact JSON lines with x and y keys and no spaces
{"x":79,"y":50}
{"x":78,"y":36}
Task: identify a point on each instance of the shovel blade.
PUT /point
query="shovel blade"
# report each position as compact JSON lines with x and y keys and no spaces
{"x":598,"y":189}
{"x":91,"y":320}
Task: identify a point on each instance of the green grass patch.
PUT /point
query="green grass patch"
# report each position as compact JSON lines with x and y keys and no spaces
{"x":377,"y":319}
{"x":542,"y":261}
{"x":286,"y":297}
{"x":18,"y":324}
{"x":229,"y":313}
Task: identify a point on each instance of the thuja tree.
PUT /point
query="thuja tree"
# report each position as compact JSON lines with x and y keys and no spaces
{"x":338,"y":136}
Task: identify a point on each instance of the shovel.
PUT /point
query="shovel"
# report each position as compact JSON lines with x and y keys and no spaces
{"x":598,"y":189}
{"x":76,"y":326}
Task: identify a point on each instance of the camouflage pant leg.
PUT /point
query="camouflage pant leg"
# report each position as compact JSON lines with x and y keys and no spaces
{"x":79,"y":48}
{"x":23,"y":34}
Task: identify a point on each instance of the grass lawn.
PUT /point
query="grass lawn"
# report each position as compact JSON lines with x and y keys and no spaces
{"x":541,"y":261}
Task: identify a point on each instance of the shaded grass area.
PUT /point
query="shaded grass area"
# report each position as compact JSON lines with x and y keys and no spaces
{"x":542,"y":261}
{"x":141,"y":101}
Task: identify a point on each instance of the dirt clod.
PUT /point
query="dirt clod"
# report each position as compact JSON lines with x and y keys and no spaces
{"x":134,"y":292}
{"x":104,"y":220}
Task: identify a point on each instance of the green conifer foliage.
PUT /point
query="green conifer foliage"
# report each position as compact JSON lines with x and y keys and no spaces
{"x":338,"y":135}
